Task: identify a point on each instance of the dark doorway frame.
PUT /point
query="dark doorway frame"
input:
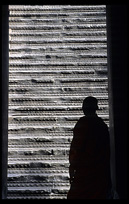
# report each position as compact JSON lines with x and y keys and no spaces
{"x":117,"y":67}
{"x":4,"y":106}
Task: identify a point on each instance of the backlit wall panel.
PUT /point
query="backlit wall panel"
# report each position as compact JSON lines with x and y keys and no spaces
{"x":57,"y":57}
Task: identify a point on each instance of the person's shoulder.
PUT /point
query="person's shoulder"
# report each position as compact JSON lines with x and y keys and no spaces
{"x":81,"y":124}
{"x":101,"y":121}
{"x":83,"y":118}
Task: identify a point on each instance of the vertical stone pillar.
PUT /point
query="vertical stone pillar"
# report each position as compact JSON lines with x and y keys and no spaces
{"x":4,"y":135}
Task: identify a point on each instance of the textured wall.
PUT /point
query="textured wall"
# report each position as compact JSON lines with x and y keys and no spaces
{"x":57,"y":57}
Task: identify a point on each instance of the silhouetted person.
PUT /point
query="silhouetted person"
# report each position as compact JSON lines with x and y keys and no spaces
{"x":89,"y":156}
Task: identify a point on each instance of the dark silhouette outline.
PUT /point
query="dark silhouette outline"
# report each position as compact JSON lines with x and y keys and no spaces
{"x":89,"y":156}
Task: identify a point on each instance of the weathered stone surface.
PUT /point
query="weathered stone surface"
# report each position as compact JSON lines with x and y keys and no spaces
{"x":57,"y":57}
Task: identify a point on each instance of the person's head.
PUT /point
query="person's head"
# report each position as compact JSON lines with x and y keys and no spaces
{"x":90,"y":105}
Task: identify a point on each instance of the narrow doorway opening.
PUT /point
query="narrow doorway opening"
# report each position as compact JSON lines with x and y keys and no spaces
{"x":57,"y":57}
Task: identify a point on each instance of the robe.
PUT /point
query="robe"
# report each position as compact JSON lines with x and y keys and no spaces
{"x":89,"y":159}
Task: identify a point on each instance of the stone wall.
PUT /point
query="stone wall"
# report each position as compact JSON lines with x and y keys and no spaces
{"x":57,"y":57}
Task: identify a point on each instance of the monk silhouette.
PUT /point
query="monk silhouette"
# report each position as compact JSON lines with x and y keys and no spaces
{"x":89,"y":155}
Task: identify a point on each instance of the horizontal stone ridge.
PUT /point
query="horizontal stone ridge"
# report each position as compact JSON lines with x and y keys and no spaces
{"x":57,"y":57}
